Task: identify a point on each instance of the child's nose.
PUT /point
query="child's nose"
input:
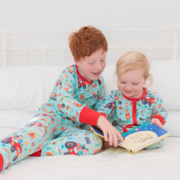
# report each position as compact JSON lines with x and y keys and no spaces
{"x":98,"y":66}
{"x":128,"y":87}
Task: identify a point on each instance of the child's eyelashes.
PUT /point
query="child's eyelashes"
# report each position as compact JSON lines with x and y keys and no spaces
{"x":132,"y":83}
{"x":92,"y":62}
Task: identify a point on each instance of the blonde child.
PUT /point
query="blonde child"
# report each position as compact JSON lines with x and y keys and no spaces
{"x":132,"y":103}
{"x":77,"y":94}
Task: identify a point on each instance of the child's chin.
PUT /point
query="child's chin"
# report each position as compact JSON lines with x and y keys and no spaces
{"x":128,"y":95}
{"x":96,"y":78}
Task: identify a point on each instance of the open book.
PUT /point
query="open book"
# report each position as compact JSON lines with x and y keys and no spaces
{"x":138,"y":137}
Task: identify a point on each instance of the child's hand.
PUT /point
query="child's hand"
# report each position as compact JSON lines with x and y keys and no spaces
{"x":109,"y":131}
{"x":156,"y":121}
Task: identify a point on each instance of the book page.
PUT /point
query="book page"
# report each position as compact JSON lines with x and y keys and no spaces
{"x":138,"y":139}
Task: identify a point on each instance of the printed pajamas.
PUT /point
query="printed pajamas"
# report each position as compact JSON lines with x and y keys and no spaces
{"x":40,"y":132}
{"x":56,"y":129}
{"x":132,"y":112}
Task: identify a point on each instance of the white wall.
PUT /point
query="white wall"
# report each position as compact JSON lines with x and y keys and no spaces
{"x":57,"y":15}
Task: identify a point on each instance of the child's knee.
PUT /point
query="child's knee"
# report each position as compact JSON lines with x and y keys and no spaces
{"x":96,"y":139}
{"x":94,"y":143}
{"x":156,"y":145}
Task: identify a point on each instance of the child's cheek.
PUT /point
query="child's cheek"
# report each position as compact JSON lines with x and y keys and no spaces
{"x":120,"y":86}
{"x":138,"y":88}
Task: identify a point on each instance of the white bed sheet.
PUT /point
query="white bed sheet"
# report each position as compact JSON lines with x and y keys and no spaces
{"x":109,"y":164}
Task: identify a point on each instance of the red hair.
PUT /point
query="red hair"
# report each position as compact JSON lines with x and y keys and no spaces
{"x":86,"y":41}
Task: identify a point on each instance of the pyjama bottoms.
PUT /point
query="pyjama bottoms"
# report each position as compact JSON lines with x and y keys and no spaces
{"x":47,"y":136}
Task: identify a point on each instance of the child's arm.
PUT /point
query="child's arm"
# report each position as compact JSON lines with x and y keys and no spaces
{"x":108,"y":105}
{"x":159,"y":112}
{"x":108,"y":130}
{"x":68,"y":105}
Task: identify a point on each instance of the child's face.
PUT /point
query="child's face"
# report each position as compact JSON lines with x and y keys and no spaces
{"x":91,"y":67}
{"x":131,"y":83}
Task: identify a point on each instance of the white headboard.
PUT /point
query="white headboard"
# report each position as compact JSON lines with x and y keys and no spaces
{"x":8,"y":45}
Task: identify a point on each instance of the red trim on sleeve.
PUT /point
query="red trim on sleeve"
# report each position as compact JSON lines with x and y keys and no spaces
{"x":160,"y":117}
{"x":102,"y":114}
{"x":89,"y":116}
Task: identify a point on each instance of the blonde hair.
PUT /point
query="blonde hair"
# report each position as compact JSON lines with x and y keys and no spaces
{"x":133,"y":60}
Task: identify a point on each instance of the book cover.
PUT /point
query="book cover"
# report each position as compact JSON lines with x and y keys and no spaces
{"x":139,"y":137}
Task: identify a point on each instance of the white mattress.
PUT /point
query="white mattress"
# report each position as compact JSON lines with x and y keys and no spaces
{"x":109,"y":164}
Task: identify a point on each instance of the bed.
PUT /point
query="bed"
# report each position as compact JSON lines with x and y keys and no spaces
{"x":20,"y":96}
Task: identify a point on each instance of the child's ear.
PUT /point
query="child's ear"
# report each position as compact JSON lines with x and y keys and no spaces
{"x":146,"y":82}
{"x":76,"y":62}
